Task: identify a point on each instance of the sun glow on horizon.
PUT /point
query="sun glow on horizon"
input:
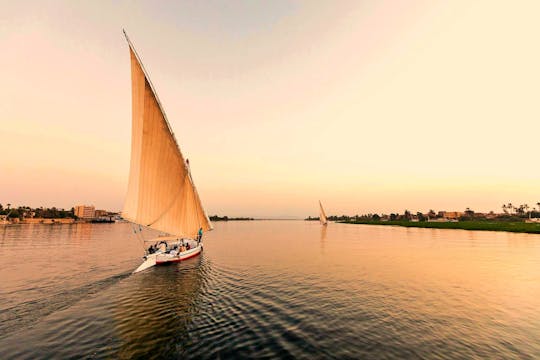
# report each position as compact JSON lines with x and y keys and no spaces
{"x":373,"y":107}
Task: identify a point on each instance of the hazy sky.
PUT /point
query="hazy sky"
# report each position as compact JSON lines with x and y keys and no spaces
{"x":366,"y":105}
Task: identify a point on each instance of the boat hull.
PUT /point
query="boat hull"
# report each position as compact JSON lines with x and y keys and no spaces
{"x":162,"y":259}
{"x":163,"y":256}
{"x":148,"y":262}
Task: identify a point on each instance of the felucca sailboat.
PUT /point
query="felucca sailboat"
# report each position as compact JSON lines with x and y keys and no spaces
{"x":322,"y":215}
{"x":161,"y":193}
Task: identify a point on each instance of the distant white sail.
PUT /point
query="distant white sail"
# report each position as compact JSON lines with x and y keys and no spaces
{"x":322,"y":215}
{"x":161,"y":193}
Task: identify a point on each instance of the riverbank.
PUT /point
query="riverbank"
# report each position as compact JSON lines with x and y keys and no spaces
{"x":226,"y":218}
{"x":518,"y":227}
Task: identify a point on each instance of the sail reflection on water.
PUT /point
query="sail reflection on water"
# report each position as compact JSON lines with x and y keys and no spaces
{"x":323,"y":238}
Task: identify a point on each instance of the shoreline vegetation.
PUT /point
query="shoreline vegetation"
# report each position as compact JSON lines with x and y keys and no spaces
{"x":517,"y":227}
{"x":514,"y":218}
{"x":226,"y":218}
{"x":26,"y":215}
{"x":55,"y":216}
{"x":24,"y":212}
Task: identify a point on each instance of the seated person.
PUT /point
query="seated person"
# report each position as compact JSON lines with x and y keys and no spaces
{"x":188,"y":246}
{"x":163,"y":246}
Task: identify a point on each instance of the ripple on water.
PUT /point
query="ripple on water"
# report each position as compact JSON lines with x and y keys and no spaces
{"x":351,"y":292}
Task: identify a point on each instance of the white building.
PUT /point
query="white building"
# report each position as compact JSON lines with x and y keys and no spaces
{"x":85,"y":211}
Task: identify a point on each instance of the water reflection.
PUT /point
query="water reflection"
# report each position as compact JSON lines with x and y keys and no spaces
{"x":323,"y":237}
{"x":81,"y":231}
{"x":3,"y":229}
{"x":155,"y":309}
{"x":272,"y":289}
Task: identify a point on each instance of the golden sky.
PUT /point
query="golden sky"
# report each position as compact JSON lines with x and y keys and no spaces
{"x":366,"y":105}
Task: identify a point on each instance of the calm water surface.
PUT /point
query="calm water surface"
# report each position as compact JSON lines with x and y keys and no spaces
{"x":271,"y":289}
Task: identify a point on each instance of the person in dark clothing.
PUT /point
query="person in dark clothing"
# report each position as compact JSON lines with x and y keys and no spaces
{"x":199,"y":236}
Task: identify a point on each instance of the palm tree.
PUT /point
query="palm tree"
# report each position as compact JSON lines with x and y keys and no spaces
{"x":504,"y":209}
{"x":407,"y":214}
{"x":8,"y":210}
{"x":510,"y":207}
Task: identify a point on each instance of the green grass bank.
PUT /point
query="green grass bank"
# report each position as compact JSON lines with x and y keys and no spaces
{"x":519,"y":227}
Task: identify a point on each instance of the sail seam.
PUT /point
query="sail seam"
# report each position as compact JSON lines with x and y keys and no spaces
{"x":168,"y":207}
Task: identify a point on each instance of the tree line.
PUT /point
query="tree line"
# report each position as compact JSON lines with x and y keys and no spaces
{"x":510,"y":213}
{"x":226,"y":218}
{"x":41,"y":212}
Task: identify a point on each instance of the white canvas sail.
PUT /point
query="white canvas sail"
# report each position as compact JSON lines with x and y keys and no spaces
{"x":161,"y":193}
{"x":322,"y":215}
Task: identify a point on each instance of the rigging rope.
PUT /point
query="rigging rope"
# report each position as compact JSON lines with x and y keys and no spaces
{"x":139,"y":236}
{"x":196,"y":195}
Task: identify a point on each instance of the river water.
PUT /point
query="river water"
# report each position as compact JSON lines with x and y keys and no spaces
{"x":271,"y":289}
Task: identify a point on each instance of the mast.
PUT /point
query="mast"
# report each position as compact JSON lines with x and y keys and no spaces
{"x":147,"y":77}
{"x":161,"y":192}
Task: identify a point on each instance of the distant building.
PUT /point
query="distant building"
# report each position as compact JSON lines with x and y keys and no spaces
{"x":85,"y":211}
{"x":100,"y":213}
{"x":450,"y":214}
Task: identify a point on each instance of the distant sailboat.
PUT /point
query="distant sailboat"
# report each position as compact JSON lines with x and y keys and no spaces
{"x":322,"y":215}
{"x":161,"y":194}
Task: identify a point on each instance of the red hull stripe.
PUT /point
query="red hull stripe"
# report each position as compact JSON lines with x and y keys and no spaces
{"x":177,"y":260}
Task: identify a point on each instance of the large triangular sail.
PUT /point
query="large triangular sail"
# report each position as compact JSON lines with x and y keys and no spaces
{"x":161,"y":193}
{"x":322,"y":215}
